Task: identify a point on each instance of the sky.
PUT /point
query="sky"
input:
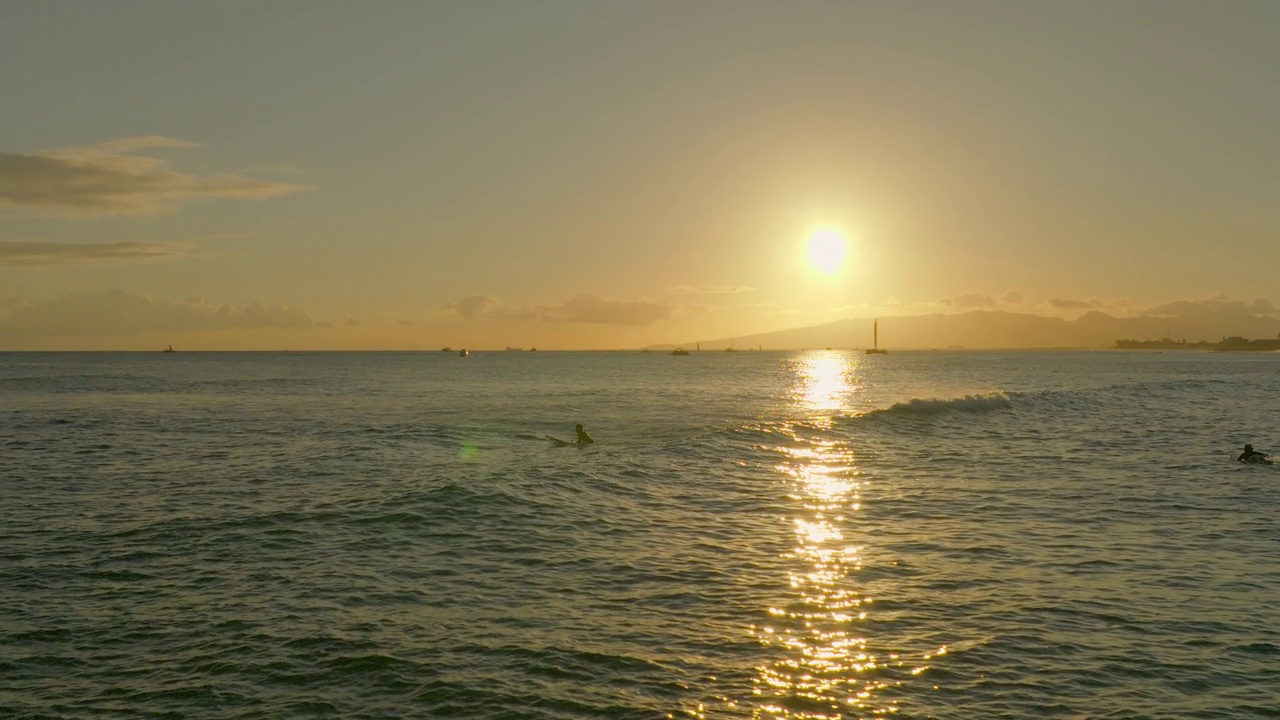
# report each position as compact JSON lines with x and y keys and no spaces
{"x":600,"y":174}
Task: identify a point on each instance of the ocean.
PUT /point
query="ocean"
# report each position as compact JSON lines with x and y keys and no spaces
{"x":778,"y":535}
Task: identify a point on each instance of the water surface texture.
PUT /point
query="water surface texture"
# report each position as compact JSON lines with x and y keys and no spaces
{"x":757,"y":535}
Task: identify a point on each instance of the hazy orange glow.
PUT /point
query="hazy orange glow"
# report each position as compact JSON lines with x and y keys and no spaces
{"x":630,"y":202}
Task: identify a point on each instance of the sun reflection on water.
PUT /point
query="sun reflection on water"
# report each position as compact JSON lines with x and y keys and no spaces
{"x":825,"y":670}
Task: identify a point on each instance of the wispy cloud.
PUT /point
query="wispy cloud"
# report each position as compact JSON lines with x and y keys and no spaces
{"x":112,"y":179}
{"x":861,"y":307}
{"x":595,"y":309}
{"x":33,"y":253}
{"x":970,"y":300}
{"x":472,"y":307}
{"x":587,"y":309}
{"x":116,"y":312}
{"x":1218,"y":304}
{"x":1069,"y":304}
{"x":709,"y":289}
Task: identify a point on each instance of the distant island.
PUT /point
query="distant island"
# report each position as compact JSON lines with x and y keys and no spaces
{"x":1002,"y":330}
{"x":1230,"y":344}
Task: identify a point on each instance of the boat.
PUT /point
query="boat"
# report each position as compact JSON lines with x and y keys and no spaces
{"x":169,"y":349}
{"x":875,"y":349}
{"x":679,"y":351}
{"x":463,"y":352}
{"x":447,"y":349}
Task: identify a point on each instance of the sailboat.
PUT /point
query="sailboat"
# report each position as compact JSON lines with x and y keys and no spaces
{"x":875,"y":349}
{"x":169,"y":349}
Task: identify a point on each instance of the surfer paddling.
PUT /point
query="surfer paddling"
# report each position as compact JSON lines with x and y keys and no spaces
{"x":1248,"y":456}
{"x":582,"y":438}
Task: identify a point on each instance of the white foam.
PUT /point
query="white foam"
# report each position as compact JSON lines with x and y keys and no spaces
{"x":935,"y":406}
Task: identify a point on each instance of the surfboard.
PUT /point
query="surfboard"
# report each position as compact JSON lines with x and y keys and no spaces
{"x":558,"y":441}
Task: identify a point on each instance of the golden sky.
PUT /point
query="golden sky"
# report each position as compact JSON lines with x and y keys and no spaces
{"x":603,"y":174}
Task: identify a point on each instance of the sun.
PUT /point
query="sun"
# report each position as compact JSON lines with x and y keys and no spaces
{"x":827,"y":250}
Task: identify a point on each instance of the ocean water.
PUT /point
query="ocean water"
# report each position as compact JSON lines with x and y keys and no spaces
{"x":808,"y":535}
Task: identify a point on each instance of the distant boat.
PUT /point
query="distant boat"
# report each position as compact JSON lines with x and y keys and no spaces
{"x":448,"y":349}
{"x":875,"y":349}
{"x":169,"y":349}
{"x":463,"y":352}
{"x":731,"y":347}
{"x":679,"y":351}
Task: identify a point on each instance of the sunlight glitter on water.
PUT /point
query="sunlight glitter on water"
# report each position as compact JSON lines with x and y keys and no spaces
{"x":824,"y":382}
{"x":302,"y":536}
{"x":823,"y":667}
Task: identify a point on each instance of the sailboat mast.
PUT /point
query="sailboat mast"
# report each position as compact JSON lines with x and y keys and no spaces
{"x":875,"y":338}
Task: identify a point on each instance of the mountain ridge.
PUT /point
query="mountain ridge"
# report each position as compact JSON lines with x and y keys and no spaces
{"x":1004,"y":330}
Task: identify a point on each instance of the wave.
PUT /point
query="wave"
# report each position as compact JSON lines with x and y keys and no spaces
{"x":1074,"y":400}
{"x":926,"y":407}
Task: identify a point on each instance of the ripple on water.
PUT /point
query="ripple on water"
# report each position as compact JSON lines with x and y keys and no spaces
{"x":791,"y":536}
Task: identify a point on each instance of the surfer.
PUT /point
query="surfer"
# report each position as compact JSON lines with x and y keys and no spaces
{"x":582,"y":439}
{"x":1248,"y":456}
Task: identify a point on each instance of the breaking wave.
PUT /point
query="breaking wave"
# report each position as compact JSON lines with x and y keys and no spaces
{"x":917,"y":407}
{"x":1057,"y":400}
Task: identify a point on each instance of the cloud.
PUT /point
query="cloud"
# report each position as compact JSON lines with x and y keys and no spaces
{"x":1218,"y":304}
{"x":121,"y":146}
{"x":595,"y":309}
{"x":110,"y":179}
{"x":32,"y":253}
{"x":1013,"y":297}
{"x":709,"y":289}
{"x":472,"y":307}
{"x":116,"y":312}
{"x":591,"y":309}
{"x":1068,"y":304}
{"x":858,"y":308}
{"x":351,"y":322}
{"x":970,"y":300}
{"x":1115,"y":306}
